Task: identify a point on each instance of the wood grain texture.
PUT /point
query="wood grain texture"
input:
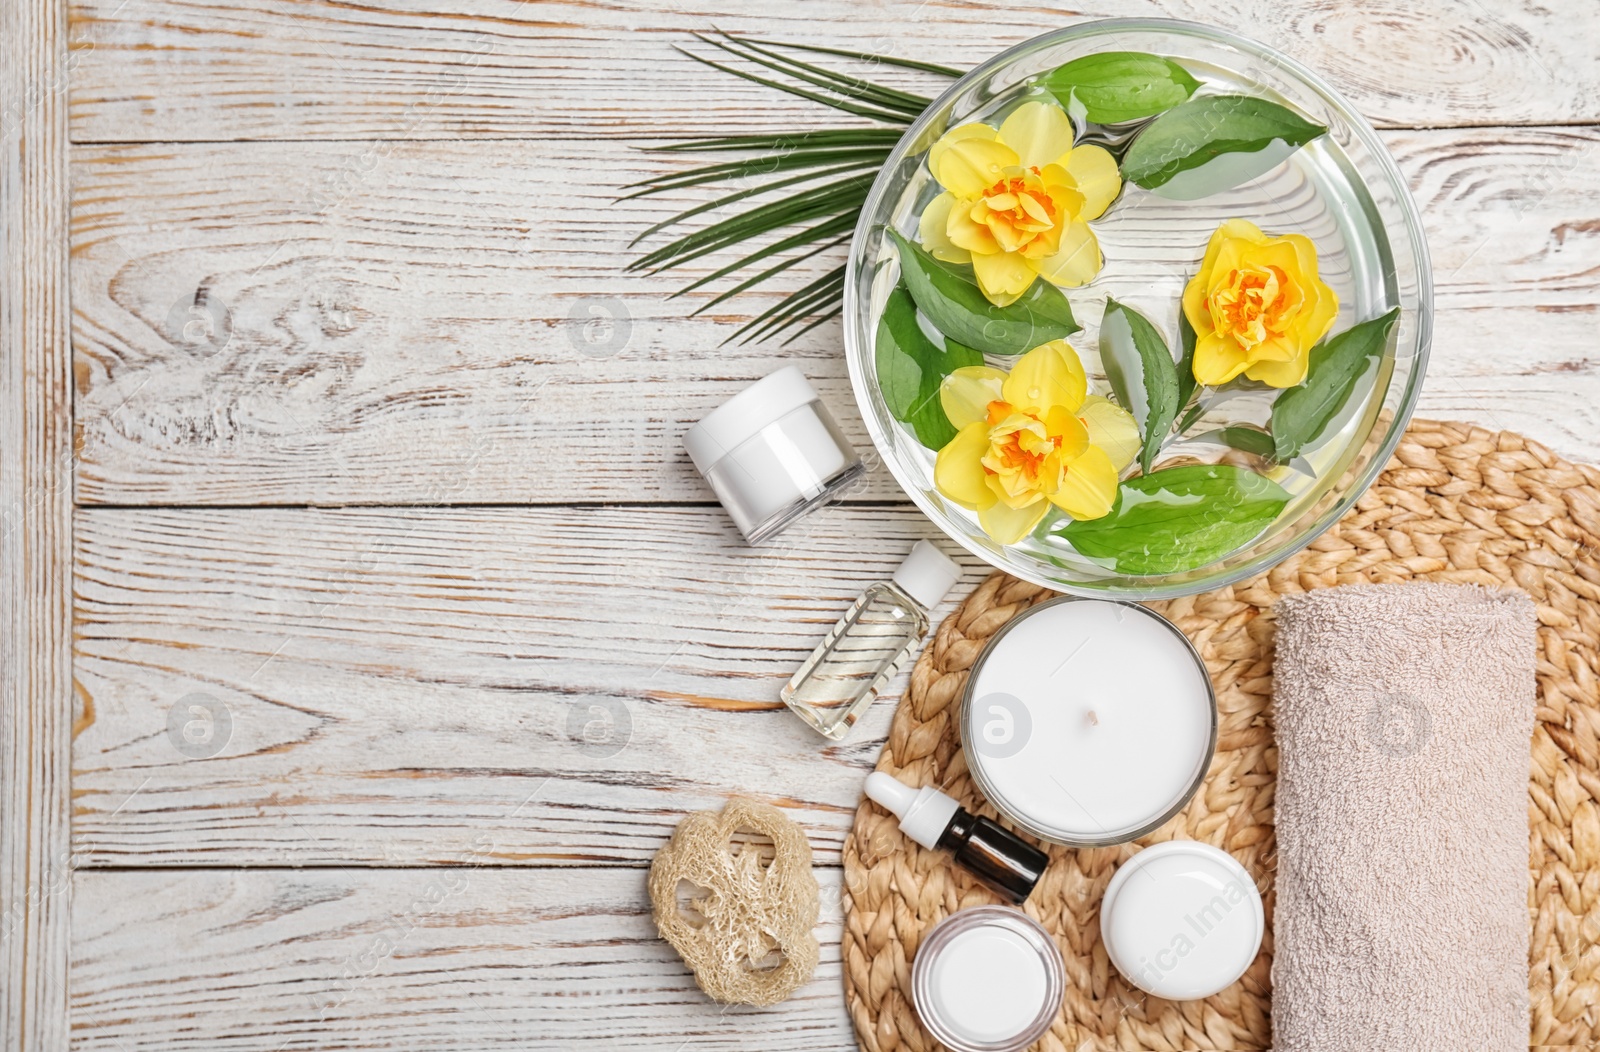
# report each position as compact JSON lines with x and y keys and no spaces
{"x":274,"y":687}
{"x":163,"y":70}
{"x":458,"y":959}
{"x":35,"y":529}
{"x":426,"y":324}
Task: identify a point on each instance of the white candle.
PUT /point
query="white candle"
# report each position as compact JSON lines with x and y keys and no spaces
{"x":1089,"y":721}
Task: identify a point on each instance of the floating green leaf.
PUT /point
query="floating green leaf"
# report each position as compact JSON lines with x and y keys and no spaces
{"x":1116,"y":86}
{"x":1301,"y":414}
{"x":1245,"y":439}
{"x":1179,"y":519}
{"x":949,"y":295}
{"x":1186,"y":341}
{"x":911,"y":367}
{"x":1142,"y":374}
{"x":1172,"y":149}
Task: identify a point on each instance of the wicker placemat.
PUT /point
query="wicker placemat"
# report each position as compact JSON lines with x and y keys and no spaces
{"x":1457,"y":503}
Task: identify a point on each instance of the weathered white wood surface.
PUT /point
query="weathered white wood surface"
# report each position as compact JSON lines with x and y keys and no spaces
{"x":423,"y":306}
{"x":397,"y":684}
{"x":217,"y":69}
{"x":35,"y":529}
{"x":453,"y":958}
{"x":410,"y":326}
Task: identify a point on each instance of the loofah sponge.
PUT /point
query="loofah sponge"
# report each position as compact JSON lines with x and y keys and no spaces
{"x":742,"y":923}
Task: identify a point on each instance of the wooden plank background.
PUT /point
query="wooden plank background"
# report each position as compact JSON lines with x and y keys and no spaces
{"x":35,"y":529}
{"x":451,"y":726}
{"x":423,"y":330}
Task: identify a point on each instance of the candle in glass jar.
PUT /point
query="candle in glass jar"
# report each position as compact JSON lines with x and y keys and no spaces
{"x":1089,"y":721}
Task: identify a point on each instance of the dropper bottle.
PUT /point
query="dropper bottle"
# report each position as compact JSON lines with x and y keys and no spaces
{"x":1002,"y":860}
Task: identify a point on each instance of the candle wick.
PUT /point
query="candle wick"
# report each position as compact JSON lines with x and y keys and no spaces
{"x":1094,"y":720}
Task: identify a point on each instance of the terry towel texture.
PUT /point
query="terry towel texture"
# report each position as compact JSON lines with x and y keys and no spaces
{"x":1404,"y":714}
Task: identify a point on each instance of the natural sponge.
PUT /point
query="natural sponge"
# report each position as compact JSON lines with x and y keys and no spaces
{"x":742,"y":922}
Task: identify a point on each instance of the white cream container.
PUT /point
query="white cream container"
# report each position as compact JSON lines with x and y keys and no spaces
{"x":771,"y":453}
{"x":1088,"y":722}
{"x":1182,"y":920}
{"x":987,"y":979}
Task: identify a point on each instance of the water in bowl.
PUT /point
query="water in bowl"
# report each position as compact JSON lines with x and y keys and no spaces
{"x":1153,"y":246}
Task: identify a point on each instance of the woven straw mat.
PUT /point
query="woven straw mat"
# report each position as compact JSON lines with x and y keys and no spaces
{"x":1457,"y":503}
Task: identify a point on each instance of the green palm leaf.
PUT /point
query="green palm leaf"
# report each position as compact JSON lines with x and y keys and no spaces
{"x":851,"y":87}
{"x":814,"y":180}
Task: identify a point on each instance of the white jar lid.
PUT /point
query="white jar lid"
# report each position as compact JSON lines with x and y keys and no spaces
{"x":1182,"y":920}
{"x":741,"y":417}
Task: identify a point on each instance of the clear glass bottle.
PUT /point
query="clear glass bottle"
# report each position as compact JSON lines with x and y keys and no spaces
{"x":865,"y":649}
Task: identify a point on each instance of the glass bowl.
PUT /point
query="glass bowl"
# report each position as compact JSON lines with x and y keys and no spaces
{"x":1343,"y":190}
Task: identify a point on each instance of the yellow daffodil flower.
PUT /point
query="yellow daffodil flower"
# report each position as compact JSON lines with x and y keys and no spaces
{"x":1029,"y":440}
{"x":1018,"y":200}
{"x":1257,"y":306}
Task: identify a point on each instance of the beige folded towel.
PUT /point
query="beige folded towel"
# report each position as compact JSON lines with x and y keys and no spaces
{"x":1404,"y":714}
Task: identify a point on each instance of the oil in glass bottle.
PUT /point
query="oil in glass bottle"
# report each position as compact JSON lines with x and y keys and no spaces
{"x":843,"y":676}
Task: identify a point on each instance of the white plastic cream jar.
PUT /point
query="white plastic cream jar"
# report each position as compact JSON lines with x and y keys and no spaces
{"x":1182,"y":920}
{"x":988,"y":979}
{"x":771,"y":453}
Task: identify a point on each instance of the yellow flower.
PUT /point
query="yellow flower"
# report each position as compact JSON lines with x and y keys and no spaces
{"x":1018,"y":200}
{"x":1031,"y":439}
{"x":1257,"y":306}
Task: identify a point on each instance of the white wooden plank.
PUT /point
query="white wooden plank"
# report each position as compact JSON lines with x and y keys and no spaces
{"x":396,"y":684}
{"x":218,"y":69}
{"x":428,"y":315}
{"x":456,"y":959}
{"x":413,"y":329}
{"x":35,"y":529}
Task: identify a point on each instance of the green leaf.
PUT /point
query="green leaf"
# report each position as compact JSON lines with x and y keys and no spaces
{"x":823,"y":139}
{"x":1179,"y":519}
{"x":1195,"y":134}
{"x":797,"y":162}
{"x":1245,"y":439}
{"x":883,"y":60}
{"x":839,"y":101}
{"x":889,"y":99}
{"x":1301,"y":414}
{"x":1186,"y":341}
{"x":1116,"y":86}
{"x":1140,"y":368}
{"x":949,"y":295}
{"x":910,"y":369}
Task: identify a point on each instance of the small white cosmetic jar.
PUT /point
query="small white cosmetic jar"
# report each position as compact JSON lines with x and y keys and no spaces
{"x":1182,"y":920}
{"x":988,"y":979}
{"x":772,"y":453}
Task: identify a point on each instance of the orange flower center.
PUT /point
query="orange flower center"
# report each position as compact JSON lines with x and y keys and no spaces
{"x":1017,"y":209}
{"x":1254,"y":304}
{"x":1017,"y":442}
